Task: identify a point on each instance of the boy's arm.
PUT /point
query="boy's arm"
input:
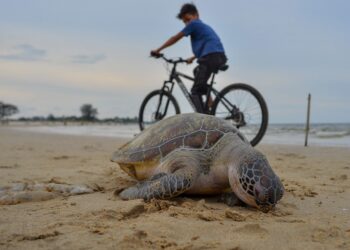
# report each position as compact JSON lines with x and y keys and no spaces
{"x":169,"y":42}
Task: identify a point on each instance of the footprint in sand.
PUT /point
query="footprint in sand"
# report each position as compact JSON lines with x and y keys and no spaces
{"x":299,"y":190}
{"x":323,"y":235}
{"x":9,"y":166}
{"x":234,"y":215}
{"x":108,"y":214}
{"x":208,"y":216}
{"x":342,"y":177}
{"x":131,"y":210}
{"x":296,"y":156}
{"x":253,"y":229}
{"x":62,"y":157}
{"x":290,"y":220}
{"x":23,"y":148}
{"x":38,"y":236}
{"x":157,"y":205}
{"x":139,"y":239}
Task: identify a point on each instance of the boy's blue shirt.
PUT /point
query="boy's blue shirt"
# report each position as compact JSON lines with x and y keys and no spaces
{"x":204,"y":40}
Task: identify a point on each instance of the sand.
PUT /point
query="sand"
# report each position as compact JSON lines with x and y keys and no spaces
{"x":313,"y":214}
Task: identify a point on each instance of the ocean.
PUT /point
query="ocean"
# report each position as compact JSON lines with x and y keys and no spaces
{"x":321,"y":134}
{"x":327,"y":134}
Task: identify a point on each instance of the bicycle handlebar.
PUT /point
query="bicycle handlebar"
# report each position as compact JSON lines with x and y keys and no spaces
{"x":159,"y":55}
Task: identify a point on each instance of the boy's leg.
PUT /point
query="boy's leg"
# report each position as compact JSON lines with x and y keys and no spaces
{"x":199,"y":87}
{"x":207,"y":65}
{"x":214,"y":62}
{"x":198,"y":102}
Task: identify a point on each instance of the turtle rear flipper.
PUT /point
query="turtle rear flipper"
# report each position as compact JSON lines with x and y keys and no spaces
{"x":182,"y":169}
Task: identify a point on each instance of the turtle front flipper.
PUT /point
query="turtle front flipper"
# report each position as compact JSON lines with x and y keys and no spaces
{"x":179,"y":171}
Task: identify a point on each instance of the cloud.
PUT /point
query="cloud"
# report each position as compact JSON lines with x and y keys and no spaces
{"x":88,"y":59}
{"x":24,"y":52}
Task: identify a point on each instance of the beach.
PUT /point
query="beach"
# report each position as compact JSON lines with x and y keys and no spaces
{"x":313,"y":214}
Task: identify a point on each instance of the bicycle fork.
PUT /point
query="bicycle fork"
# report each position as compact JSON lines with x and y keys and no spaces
{"x":159,"y":115}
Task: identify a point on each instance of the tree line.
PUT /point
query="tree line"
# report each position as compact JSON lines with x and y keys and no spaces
{"x":88,"y":113}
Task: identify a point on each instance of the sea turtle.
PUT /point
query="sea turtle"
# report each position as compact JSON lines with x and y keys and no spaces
{"x":197,"y":154}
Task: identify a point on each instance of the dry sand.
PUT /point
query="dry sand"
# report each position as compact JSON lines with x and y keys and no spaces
{"x":313,"y":214}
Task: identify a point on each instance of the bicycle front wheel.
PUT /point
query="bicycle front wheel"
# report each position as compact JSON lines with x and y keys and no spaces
{"x":245,"y":107}
{"x":157,"y":105}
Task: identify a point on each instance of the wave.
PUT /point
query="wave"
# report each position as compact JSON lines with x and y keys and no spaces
{"x":332,"y":134}
{"x":325,"y":131}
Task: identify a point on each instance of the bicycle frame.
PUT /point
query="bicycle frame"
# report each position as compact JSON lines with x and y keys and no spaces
{"x":183,"y":87}
{"x":176,"y":75}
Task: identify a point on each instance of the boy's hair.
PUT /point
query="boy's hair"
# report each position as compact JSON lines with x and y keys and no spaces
{"x":187,"y":8}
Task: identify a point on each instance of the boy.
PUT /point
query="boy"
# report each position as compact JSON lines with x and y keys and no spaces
{"x":206,"y":47}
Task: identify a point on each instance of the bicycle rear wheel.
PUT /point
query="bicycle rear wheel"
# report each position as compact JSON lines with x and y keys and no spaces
{"x":245,"y":107}
{"x":156,"y":106}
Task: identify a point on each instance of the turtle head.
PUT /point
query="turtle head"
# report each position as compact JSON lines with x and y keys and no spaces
{"x":255,"y":183}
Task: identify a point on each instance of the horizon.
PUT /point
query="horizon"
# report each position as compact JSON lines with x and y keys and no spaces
{"x":57,"y":55}
{"x":133,"y":117}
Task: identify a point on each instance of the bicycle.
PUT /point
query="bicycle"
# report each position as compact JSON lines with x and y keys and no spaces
{"x":240,"y":103}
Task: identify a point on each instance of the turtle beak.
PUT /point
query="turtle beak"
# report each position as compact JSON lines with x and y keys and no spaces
{"x":261,"y":201}
{"x":266,"y":199}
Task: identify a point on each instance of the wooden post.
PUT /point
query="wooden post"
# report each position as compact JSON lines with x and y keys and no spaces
{"x":307,"y":128}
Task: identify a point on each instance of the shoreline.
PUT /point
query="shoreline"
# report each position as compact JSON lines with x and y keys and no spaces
{"x":127,"y":131}
{"x":313,"y":214}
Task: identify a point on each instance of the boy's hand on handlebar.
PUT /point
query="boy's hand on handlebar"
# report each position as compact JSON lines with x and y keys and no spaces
{"x":156,"y":53}
{"x":190,"y":60}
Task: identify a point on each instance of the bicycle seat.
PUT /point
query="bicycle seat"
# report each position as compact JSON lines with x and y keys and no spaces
{"x":224,"y":67}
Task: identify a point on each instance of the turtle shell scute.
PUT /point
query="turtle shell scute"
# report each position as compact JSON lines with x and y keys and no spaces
{"x":169,"y":146}
{"x":136,"y":156}
{"x":150,"y":153}
{"x":195,"y":140}
{"x":213,"y":137}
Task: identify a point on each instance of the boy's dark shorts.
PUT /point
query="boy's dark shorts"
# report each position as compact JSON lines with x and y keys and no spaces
{"x":208,"y":64}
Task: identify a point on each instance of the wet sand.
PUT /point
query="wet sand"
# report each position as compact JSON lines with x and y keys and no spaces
{"x":313,"y":214}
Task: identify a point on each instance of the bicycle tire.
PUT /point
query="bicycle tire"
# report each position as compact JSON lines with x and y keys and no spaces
{"x":158,"y":116}
{"x":260,"y":101}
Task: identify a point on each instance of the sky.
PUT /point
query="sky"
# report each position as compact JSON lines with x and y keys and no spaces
{"x":57,"y":55}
